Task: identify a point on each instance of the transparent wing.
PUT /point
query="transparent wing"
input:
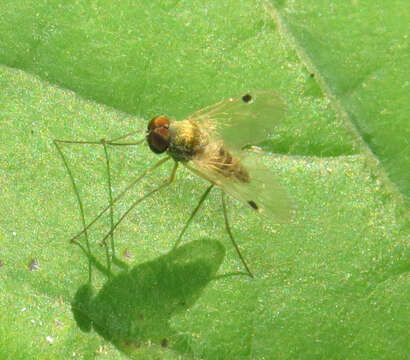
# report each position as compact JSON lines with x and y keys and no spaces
{"x":262,"y":192}
{"x":246,"y":119}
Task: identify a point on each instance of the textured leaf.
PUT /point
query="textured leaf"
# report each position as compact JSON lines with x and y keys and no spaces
{"x":332,"y":283}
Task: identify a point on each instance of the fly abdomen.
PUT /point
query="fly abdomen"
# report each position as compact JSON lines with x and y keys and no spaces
{"x":231,"y":166}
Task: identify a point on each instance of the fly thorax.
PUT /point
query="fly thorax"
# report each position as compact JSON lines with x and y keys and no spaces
{"x":187,"y":140}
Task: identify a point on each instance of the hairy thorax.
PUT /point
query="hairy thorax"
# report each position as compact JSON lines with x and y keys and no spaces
{"x":187,"y":140}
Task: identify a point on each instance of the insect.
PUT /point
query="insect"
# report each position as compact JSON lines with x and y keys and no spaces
{"x":214,"y":143}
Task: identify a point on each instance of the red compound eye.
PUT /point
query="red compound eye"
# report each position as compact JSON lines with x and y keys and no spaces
{"x":158,"y":134}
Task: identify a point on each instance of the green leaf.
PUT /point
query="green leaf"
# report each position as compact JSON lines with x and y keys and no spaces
{"x":332,"y":283}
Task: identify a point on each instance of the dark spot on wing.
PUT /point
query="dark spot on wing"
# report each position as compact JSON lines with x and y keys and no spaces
{"x":253,"y":204}
{"x":312,"y":75}
{"x":246,"y":98}
{"x":164,"y":343}
{"x":34,"y":265}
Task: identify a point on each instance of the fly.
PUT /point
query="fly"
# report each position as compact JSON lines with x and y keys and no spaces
{"x":213,"y":143}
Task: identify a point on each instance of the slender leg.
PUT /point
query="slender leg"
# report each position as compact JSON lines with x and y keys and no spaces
{"x":107,"y":252}
{"x":135,"y":203}
{"x":132,"y":184}
{"x":86,"y":250}
{"x":115,"y":140}
{"x":228,"y":229}
{"x":201,"y":200}
{"x":108,"y":142}
{"x":111,"y":257}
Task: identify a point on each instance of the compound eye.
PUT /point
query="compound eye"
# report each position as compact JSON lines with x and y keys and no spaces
{"x":158,"y":134}
{"x":158,"y":140}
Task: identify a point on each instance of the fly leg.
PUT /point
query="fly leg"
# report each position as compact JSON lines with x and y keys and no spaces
{"x":132,"y":184}
{"x":85,"y":247}
{"x":201,"y":200}
{"x":110,"y":256}
{"x":228,"y":229}
{"x":135,"y":203}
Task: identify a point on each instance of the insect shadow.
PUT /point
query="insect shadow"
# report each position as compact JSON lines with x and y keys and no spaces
{"x":135,"y":305}
{"x":133,"y":309}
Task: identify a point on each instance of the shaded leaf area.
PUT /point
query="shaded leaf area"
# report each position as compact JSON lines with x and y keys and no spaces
{"x":133,"y":309}
{"x":332,"y":280}
{"x":172,"y":58}
{"x":360,"y":50}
